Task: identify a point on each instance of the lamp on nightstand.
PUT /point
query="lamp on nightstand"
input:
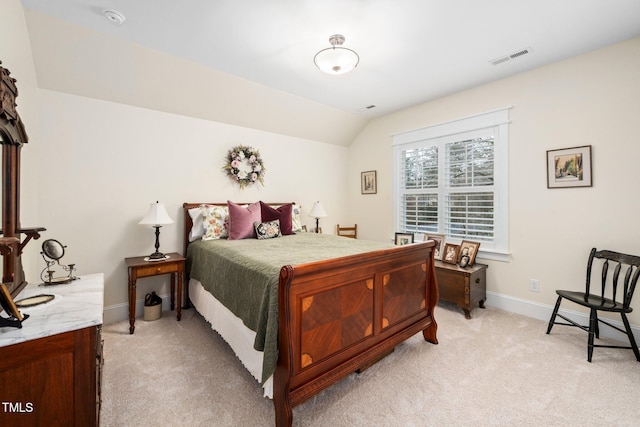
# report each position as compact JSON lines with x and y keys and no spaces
{"x":317,"y":212}
{"x":156,"y":217}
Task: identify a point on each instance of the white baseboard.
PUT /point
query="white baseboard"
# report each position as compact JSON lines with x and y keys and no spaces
{"x":543,"y":312}
{"x":117,"y":312}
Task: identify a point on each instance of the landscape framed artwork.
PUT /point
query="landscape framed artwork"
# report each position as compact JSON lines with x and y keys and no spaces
{"x":450,"y":253}
{"x":439,"y":239}
{"x":368,"y":182}
{"x":404,"y":238}
{"x":569,"y":167}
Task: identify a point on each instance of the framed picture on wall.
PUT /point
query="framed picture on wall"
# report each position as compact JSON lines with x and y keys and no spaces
{"x":368,"y":182}
{"x":569,"y":167}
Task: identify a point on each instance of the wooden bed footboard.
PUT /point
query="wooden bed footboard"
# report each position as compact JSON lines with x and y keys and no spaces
{"x":340,"y":315}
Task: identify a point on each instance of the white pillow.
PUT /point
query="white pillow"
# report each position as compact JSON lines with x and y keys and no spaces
{"x":197,"y":231}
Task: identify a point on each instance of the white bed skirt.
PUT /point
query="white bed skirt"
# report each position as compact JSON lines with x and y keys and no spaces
{"x":232,"y":330}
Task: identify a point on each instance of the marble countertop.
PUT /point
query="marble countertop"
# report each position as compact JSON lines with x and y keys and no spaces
{"x":76,"y":305}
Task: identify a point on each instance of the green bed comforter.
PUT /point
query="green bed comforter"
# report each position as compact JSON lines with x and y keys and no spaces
{"x":243,"y":275}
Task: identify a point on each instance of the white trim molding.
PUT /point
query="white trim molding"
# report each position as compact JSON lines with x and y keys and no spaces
{"x":543,"y":312}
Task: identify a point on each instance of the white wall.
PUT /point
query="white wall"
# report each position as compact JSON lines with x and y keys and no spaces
{"x":92,"y":167}
{"x":102,"y":163}
{"x":592,"y":99}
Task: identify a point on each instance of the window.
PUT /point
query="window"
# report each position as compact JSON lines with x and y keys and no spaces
{"x":452,"y":178}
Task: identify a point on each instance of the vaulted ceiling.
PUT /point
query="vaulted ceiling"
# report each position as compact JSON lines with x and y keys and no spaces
{"x":250,"y":62}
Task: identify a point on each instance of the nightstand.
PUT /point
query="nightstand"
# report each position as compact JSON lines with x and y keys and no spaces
{"x":138,"y":268}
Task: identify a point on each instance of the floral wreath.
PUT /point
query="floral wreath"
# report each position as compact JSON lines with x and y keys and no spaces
{"x":244,"y":165}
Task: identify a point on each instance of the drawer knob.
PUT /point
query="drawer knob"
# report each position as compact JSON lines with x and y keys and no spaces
{"x":477,"y":280}
{"x":158,"y":269}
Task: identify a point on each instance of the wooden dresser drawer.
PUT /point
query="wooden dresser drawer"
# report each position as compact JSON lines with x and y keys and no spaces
{"x":153,"y":270}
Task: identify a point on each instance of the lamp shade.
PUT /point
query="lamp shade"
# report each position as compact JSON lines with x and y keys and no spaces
{"x":317,"y":211}
{"x":336,"y":59}
{"x":157,"y":215}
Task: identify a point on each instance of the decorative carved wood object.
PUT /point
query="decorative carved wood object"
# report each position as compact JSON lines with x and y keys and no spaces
{"x":12,"y":137}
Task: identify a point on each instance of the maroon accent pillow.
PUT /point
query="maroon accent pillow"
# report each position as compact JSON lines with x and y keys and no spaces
{"x":241,"y":220}
{"x":283,"y":213}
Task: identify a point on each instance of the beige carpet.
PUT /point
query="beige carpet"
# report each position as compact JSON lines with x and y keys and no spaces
{"x":497,"y":369}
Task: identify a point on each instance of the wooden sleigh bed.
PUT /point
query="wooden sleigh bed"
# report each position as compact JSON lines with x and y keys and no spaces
{"x":340,"y":315}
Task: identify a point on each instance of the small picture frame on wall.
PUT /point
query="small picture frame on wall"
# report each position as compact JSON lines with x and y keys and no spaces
{"x":450,"y":253}
{"x":404,"y":238}
{"x":368,"y":182}
{"x":439,"y":239}
{"x":569,"y":167}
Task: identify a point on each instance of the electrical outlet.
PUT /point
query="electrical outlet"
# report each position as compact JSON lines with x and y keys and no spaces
{"x":534,"y":285}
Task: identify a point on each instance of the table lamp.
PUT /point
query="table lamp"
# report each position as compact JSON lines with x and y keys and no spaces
{"x":156,"y":217}
{"x":317,"y":212}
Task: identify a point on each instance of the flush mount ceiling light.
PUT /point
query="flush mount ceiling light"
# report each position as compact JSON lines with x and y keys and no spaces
{"x":336,"y":59}
{"x":114,"y":16}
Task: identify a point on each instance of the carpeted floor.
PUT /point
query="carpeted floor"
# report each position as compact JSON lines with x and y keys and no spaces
{"x":496,"y":369}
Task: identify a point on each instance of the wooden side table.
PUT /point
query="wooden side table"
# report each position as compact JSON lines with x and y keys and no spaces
{"x":138,"y":268}
{"x":464,"y":287}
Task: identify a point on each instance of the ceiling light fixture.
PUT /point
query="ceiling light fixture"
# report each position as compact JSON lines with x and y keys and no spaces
{"x":114,"y":16}
{"x":336,"y":59}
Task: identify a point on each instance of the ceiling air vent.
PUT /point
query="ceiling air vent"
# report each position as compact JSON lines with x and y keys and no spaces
{"x":513,"y":55}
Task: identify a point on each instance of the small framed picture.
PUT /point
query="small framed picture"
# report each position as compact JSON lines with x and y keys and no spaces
{"x":450,"y":253}
{"x":569,"y":167}
{"x":469,"y":249}
{"x":7,"y":303}
{"x":404,"y":238}
{"x":368,"y":182}
{"x":439,"y":239}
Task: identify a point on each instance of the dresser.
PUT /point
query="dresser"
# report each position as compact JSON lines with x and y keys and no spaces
{"x":50,"y":369}
{"x":464,"y":287}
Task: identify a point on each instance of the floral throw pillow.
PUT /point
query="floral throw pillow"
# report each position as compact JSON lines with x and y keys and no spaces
{"x":267,"y":230}
{"x":215,"y":222}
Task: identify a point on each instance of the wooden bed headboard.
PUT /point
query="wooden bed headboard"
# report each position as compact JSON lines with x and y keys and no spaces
{"x":188,"y":222}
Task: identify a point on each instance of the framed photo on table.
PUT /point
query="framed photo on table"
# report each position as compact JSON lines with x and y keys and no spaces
{"x":7,"y":303}
{"x":404,"y":238}
{"x":470,"y":249}
{"x":569,"y":167}
{"x":450,"y":253}
{"x":439,"y":239}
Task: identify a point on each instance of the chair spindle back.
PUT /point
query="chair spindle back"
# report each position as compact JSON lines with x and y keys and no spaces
{"x":631,"y":276}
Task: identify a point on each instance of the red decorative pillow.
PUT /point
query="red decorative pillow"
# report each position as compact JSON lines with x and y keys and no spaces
{"x":241,"y":220}
{"x":283,"y":213}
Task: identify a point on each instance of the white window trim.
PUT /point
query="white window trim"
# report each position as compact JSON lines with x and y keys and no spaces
{"x":496,"y":118}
